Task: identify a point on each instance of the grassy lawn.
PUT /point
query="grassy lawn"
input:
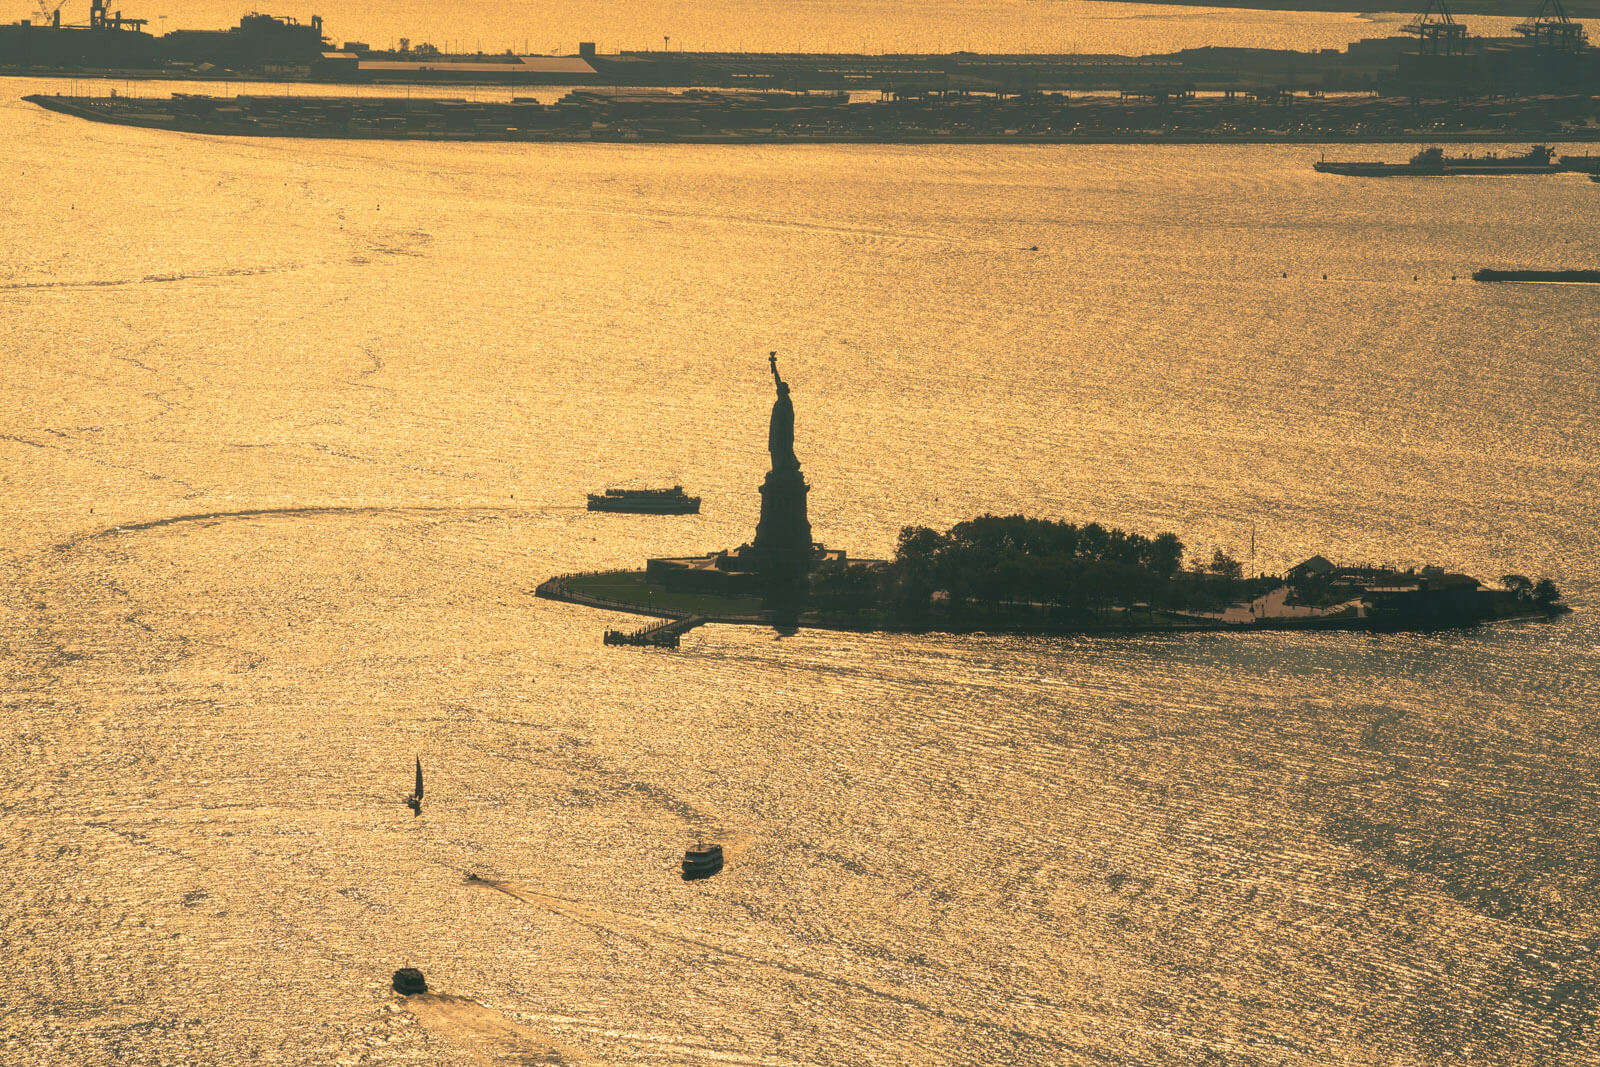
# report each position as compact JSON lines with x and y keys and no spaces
{"x":631,"y":587}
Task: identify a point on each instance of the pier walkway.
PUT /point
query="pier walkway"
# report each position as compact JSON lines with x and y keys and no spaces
{"x":661,"y":635}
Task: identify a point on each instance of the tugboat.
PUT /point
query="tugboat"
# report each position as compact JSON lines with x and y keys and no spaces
{"x":408,"y":981}
{"x":672,"y":501}
{"x":1433,"y":163}
{"x":701,"y":861}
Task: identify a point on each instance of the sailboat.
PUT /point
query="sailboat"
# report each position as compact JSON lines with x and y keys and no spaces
{"x":414,"y":801}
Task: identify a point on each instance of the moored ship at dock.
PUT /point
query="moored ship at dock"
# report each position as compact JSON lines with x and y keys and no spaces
{"x":1432,"y":163}
{"x":672,"y":501}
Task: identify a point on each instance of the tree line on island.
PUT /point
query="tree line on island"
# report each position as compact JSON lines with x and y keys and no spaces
{"x":1015,"y":572}
{"x":1014,"y":565}
{"x":1542,"y":593}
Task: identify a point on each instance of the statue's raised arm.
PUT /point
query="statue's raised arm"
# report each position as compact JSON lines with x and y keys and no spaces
{"x":773,"y":359}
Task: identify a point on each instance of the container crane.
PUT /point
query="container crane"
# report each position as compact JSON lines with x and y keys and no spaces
{"x":1437,"y":32}
{"x":1551,"y":28}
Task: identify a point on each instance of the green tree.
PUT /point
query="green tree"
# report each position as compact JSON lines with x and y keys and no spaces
{"x":1092,"y":540}
{"x":1225,"y":566}
{"x":918,"y":544}
{"x":1518,"y":584}
{"x":1166,"y":555}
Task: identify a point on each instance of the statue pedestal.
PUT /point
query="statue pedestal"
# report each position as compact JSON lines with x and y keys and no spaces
{"x":783,"y":535}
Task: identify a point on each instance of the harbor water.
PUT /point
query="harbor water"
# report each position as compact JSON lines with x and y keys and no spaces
{"x":290,"y":431}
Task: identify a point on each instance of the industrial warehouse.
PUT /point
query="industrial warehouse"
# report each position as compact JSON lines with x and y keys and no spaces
{"x":1435,"y":58}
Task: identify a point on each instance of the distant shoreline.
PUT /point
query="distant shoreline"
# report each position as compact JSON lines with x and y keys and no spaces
{"x":149,"y":114}
{"x":1578,"y":9}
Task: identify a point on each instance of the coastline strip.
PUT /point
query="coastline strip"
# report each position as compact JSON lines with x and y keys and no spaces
{"x":1077,"y":120}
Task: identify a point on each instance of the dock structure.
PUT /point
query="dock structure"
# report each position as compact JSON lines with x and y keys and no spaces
{"x":661,"y":635}
{"x":1173,"y":115}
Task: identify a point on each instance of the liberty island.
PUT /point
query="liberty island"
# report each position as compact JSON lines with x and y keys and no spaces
{"x":1017,"y":574}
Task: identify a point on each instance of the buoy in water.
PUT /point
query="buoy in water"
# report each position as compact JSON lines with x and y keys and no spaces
{"x":409,"y":980}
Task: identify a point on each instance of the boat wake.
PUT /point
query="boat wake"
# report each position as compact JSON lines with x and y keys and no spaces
{"x":486,"y":1035}
{"x":157,"y":279}
{"x":212,"y":517}
{"x":648,"y":930}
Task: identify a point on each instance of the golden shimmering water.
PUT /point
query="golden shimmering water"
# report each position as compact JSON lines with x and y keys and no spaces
{"x":290,"y":431}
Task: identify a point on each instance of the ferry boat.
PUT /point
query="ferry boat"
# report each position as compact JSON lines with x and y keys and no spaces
{"x":1432,"y":162}
{"x":702,"y":861}
{"x":672,"y":501}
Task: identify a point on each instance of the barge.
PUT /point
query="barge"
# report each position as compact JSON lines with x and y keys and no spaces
{"x":1590,"y":277}
{"x":1433,"y":163}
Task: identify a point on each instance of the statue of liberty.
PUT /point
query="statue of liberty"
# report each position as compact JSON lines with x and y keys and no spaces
{"x":783,"y":536}
{"x":780,"y":435}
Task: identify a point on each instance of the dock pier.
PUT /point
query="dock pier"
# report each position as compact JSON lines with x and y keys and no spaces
{"x":661,"y":635}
